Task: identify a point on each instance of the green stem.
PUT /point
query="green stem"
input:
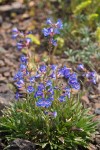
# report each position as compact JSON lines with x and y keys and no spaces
{"x":49,"y":50}
{"x":47,"y":123}
{"x":53,"y":53}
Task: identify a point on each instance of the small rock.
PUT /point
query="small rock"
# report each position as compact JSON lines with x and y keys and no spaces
{"x":3,"y":88}
{"x":2,"y":104}
{"x":13,"y":73}
{"x":6,"y":99}
{"x":6,"y":25}
{"x":20,"y":144}
{"x":97,"y":139}
{"x":98,"y":147}
{"x":98,"y":88}
{"x":9,"y":55}
{"x":85,"y":99}
{"x":97,"y":111}
{"x":11,"y":80}
{"x":6,"y":74}
{"x":97,"y":105}
{"x":4,"y":69}
{"x":93,"y":98}
{"x":2,"y":63}
{"x":92,"y":138}
{"x":2,"y":79}
{"x":98,"y":78}
{"x":91,"y":147}
{"x":5,"y":8}
{"x":8,"y":62}
{"x":97,"y":119}
{"x":2,"y":50}
{"x":17,"y":5}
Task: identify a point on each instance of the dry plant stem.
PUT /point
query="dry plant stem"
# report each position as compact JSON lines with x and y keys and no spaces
{"x":50,"y":56}
{"x":53,"y":53}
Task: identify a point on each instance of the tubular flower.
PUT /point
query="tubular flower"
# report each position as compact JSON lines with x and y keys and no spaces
{"x":30,"y":89}
{"x":15,"y":33}
{"x":43,"y":103}
{"x":52,"y":30}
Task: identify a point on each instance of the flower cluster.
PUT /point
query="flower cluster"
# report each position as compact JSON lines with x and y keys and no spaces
{"x":20,"y":75}
{"x":46,"y":82}
{"x":53,"y":29}
{"x":89,"y":75}
{"x":23,"y":40}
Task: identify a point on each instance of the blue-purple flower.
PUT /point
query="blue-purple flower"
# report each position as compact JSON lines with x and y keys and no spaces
{"x":23,"y":59}
{"x":38,"y":93}
{"x":91,"y":76}
{"x":52,"y":75}
{"x":60,"y":72}
{"x":42,"y":68}
{"x":46,"y":32}
{"x":53,"y":67}
{"x":80,"y":67}
{"x":30,"y":89}
{"x":14,"y":32}
{"x":28,"y":41}
{"x":67,"y":91}
{"x":49,"y":21}
{"x":62,"y":98}
{"x":17,"y":95}
{"x":32,"y":79}
{"x":59,"y":24}
{"x":66,"y":73}
{"x":18,"y":75}
{"x":49,"y":83}
{"x":20,"y":83}
{"x":73,"y":82}
{"x":23,"y":67}
{"x":93,"y":80}
{"x":53,"y":42}
{"x":52,"y":30}
{"x":20,"y":45}
{"x":37,"y":75}
{"x":41,"y":86}
{"x":50,"y":97}
{"x":75,"y":86}
{"x":54,"y":114}
{"x":43,"y":103}
{"x":51,"y":91}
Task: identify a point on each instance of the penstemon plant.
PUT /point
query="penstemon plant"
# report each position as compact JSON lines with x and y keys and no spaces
{"x":47,"y":109}
{"x":51,"y":34}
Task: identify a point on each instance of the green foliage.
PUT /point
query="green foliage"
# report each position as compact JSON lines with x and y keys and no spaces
{"x":34,"y":39}
{"x":97,"y":34}
{"x":73,"y":125}
{"x":81,"y":29}
{"x":81,"y":44}
{"x":84,"y":49}
{"x":82,"y":6}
